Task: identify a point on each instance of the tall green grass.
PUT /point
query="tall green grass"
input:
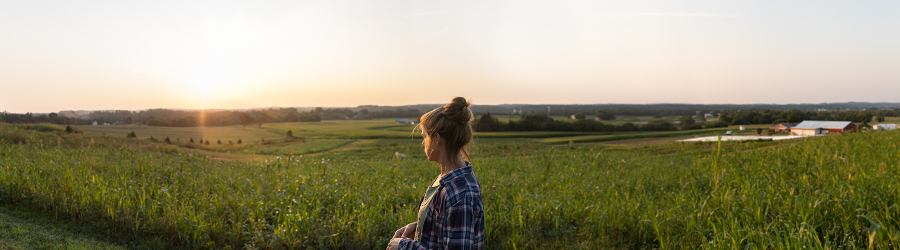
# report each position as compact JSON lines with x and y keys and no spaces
{"x":837,"y":192}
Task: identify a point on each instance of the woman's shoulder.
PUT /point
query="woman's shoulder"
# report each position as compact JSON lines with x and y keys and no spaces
{"x":462,"y":186}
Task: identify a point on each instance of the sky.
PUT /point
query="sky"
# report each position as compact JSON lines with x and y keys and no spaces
{"x":131,"y":55}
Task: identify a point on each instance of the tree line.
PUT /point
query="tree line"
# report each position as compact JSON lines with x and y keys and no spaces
{"x":543,"y":122}
{"x":530,"y":121}
{"x":862,"y":117}
{"x":194,"y":118}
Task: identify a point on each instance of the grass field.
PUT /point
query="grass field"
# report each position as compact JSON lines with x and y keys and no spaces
{"x":838,"y":192}
{"x":631,"y":135}
{"x":889,"y":120}
{"x":225,"y":133}
{"x":22,"y":228}
{"x":619,"y":119}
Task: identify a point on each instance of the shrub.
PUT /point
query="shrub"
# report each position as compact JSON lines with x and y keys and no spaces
{"x":692,"y":126}
{"x":44,"y":127}
{"x":715,"y":124}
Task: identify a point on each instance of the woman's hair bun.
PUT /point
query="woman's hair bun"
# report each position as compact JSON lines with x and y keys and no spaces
{"x":458,"y":110}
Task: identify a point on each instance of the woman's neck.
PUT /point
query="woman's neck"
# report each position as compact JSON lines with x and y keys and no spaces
{"x":448,"y":165}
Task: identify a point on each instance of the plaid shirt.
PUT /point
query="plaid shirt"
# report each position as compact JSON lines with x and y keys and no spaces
{"x":455,"y":219}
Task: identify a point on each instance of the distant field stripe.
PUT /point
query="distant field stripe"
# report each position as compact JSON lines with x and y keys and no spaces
{"x":626,"y":136}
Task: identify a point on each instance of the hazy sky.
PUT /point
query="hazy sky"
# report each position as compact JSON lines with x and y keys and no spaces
{"x":69,"y":55}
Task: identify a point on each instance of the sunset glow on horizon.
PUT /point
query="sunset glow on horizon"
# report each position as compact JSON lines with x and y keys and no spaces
{"x":100,"y":55}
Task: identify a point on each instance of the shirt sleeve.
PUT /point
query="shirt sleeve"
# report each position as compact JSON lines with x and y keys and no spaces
{"x":410,"y":244}
{"x":461,"y":230}
{"x":464,"y":227}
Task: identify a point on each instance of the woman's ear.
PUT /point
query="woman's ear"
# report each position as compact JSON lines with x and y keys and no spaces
{"x":436,"y":139}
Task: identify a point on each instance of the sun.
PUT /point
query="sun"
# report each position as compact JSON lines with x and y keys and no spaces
{"x":210,"y":76}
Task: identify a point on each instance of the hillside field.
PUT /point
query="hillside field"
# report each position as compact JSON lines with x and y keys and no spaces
{"x":831,"y":192}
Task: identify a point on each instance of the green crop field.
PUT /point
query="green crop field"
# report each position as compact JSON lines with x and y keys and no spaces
{"x":631,"y":135}
{"x":832,"y":192}
{"x":248,"y":134}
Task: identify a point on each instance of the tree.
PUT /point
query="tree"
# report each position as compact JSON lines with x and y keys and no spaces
{"x":265,"y":117}
{"x":606,"y":115}
{"x":793,"y":118}
{"x":239,"y":141}
{"x":657,"y":125}
{"x":69,"y":129}
{"x":579,"y":116}
{"x":132,"y":135}
{"x":245,"y":119}
{"x":167,"y":140}
{"x":487,"y":123}
{"x":686,"y":120}
{"x":864,"y":117}
{"x":53,"y":115}
{"x":629,"y":127}
{"x":715,"y":124}
{"x":192,"y":139}
{"x":128,"y":120}
{"x":219,"y":142}
{"x":290,"y":134}
{"x":207,"y":142}
{"x":291,"y":117}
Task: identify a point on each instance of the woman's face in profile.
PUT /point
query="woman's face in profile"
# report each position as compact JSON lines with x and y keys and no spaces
{"x":431,"y":151}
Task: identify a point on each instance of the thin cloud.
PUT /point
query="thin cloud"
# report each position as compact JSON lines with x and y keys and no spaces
{"x":661,"y":14}
{"x":428,"y":13}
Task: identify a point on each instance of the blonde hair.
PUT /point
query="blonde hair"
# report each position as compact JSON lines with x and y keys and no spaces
{"x":453,"y":122}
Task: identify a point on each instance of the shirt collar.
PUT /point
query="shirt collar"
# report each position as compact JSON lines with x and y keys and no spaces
{"x":456,"y":172}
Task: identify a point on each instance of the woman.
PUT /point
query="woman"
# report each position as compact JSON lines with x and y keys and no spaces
{"x":451,"y":214}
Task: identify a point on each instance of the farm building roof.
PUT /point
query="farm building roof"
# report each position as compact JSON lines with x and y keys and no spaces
{"x":787,"y":125}
{"x":823,"y":124}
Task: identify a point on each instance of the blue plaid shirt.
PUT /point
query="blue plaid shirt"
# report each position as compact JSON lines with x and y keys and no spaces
{"x":455,"y":219}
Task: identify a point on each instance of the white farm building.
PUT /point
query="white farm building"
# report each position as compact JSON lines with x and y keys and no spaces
{"x":884,"y":127}
{"x":822,"y":127}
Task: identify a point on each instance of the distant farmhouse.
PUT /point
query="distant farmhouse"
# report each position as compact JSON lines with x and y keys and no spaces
{"x":782,"y":127}
{"x":822,"y":127}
